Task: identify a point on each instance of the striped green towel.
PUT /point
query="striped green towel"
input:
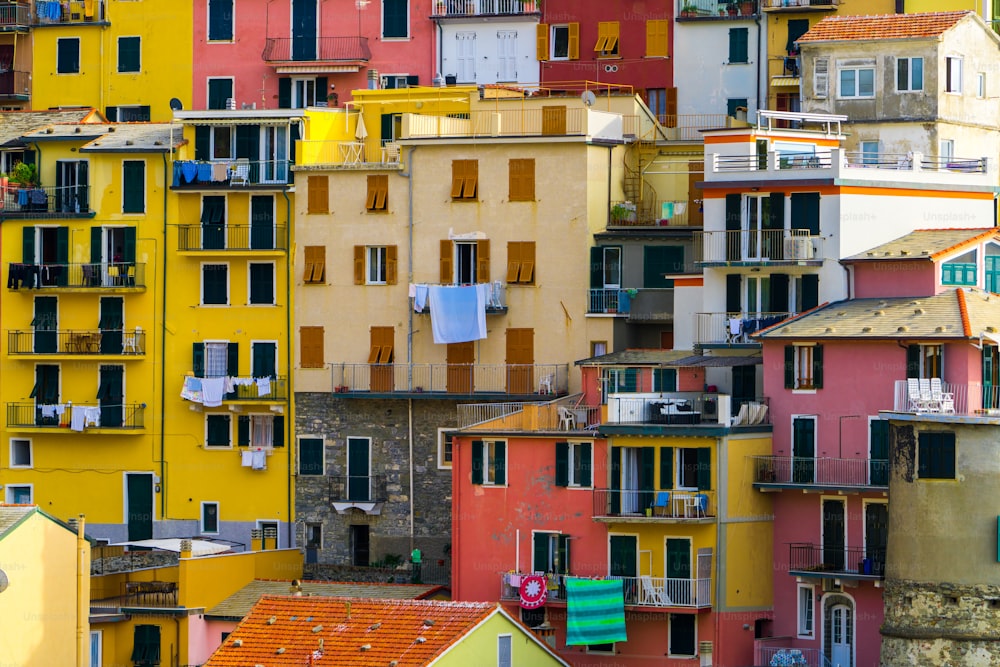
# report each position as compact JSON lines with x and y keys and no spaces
{"x":595,"y":611}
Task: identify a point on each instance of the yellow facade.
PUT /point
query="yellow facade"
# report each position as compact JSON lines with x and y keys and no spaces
{"x":103,"y":77}
{"x":479,"y":647}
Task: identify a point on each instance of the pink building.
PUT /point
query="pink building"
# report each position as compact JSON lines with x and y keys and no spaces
{"x":829,"y":373}
{"x":298,"y":53}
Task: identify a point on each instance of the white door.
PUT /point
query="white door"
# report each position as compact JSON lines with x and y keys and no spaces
{"x":507,"y":55}
{"x":630,"y":480}
{"x":841,"y":631}
{"x":275,"y":152}
{"x":753,"y":223}
{"x":466,"y":57}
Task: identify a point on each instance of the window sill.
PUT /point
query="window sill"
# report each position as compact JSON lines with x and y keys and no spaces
{"x":804,"y":390}
{"x":217,"y":448}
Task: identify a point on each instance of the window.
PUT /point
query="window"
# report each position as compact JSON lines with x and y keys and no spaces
{"x":521,"y":179}
{"x":803,"y":367}
{"x":734,"y":104}
{"x":395,"y":19}
{"x":214,"y":284}
{"x":857,"y":82}
{"x":222,"y":142}
{"x":607,"y":38}
{"x":219,"y":92}
{"x":936,"y":456}
{"x":96,"y":648}
{"x":869,"y":153}
{"x":558,"y":42}
{"x":464,"y":179}
{"x":807,"y":606}
{"x":68,"y":55}
{"x":445,"y":438}
{"x":953,"y":75}
{"x":134,"y":113}
{"x":319,"y":195}
{"x":909,"y":75}
{"x":378,"y":193}
{"x":314,"y":535}
{"x":260,"y":431}
{"x":304,"y":92}
{"x":959,"y":271}
{"x":209,"y":517}
{"x":220,"y":20}
{"x":218,"y":431}
{"x":573,"y":464}
{"x":315,"y":273}
{"x":489,"y":462}
{"x":504,"y":651}
{"x":694,"y":467}
{"x":19,"y":494}
{"x":133,"y":186}
{"x":311,"y":347}
{"x":924,"y":361}
{"x":465,"y":262}
{"x":682,"y":638}
{"x":215,"y":359}
{"x":375,"y":265}
{"x":128,"y":55}
{"x":946,"y":150}
{"x":739,"y":51}
{"x":550,"y":553}
{"x":821,"y":78}
{"x":656,"y":38}
{"x":601,"y":649}
{"x":981,"y":85}
{"x":20,"y":453}
{"x":521,"y":262}
{"x":598,"y":348}
{"x":261,"y":283}
{"x":146,"y":646}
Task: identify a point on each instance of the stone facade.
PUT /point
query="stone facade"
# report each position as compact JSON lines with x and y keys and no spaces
{"x":386,"y":423}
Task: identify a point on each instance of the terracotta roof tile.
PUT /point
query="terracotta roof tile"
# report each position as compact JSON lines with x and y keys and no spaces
{"x":888,"y":26}
{"x":286,"y":630}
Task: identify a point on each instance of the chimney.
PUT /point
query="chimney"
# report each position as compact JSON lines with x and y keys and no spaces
{"x":186,"y":548}
{"x":256,"y":543}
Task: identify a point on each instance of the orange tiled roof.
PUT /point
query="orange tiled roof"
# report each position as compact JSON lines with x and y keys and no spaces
{"x":889,"y":26}
{"x":287,"y":630}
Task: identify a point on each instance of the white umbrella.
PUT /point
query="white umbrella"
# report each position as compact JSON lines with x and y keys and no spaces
{"x":361,"y":131}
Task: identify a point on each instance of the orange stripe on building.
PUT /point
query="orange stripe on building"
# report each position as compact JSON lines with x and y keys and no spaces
{"x":964,"y":310}
{"x":903,"y":192}
{"x":752,"y":138}
{"x":689,"y":282}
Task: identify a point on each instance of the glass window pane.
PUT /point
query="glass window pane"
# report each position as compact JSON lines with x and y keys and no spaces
{"x":866,"y":83}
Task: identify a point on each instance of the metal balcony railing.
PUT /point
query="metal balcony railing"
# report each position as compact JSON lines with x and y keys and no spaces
{"x":287,"y":49}
{"x":823,"y":560}
{"x":798,"y":4}
{"x":520,"y":379}
{"x":557,"y":415}
{"x":350,"y":154}
{"x":648,"y":213}
{"x":637,"y":304}
{"x":639,"y":591}
{"x":807,"y":472}
{"x":713,"y":9}
{"x":247,"y":388}
{"x":971,"y":400}
{"x":654,"y":505}
{"x":233,"y":238}
{"x":448,"y":8}
{"x":126,"y":417}
{"x":15,"y":84}
{"x":517,"y":121}
{"x":733,"y":328}
{"x":78,"y":341}
{"x":89,"y":276}
{"x":15,"y":15}
{"x":762,"y":246}
{"x":687,"y":408}
{"x":52,"y":12}
{"x":237,"y":173}
{"x":358,"y":489}
{"x":38,"y":201}
{"x":780,"y":651}
{"x":688,"y":127}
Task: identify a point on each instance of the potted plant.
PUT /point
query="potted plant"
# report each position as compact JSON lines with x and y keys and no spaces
{"x":746,"y":7}
{"x":688,"y":10}
{"x":733,"y":8}
{"x":24,"y":174}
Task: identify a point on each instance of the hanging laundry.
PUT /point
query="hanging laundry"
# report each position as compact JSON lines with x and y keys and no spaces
{"x":48,"y":411}
{"x":259,"y":460}
{"x":92,"y":417}
{"x":220,"y":171}
{"x":212,"y":391}
{"x":595,"y":611}
{"x":458,"y":314}
{"x":77,"y":419}
{"x":420,"y":293}
{"x":192,"y":389}
{"x":246,"y":458}
{"x":263,"y":386}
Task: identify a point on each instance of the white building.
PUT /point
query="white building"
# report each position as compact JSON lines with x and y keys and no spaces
{"x":487,"y":41}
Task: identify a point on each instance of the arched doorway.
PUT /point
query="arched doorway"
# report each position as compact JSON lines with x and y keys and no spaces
{"x":838,"y":630}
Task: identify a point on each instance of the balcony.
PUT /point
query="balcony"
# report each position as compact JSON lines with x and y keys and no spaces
{"x":129,"y":417}
{"x":654,"y":506}
{"x":800,"y":5}
{"x":450,"y":380}
{"x":245,"y":389}
{"x":15,"y":85}
{"x":521,"y":120}
{"x":367,"y":154}
{"x":954,"y":402}
{"x":362,"y":492}
{"x":688,"y":127}
{"x":763,"y":247}
{"x":68,"y":201}
{"x":558,"y":415}
{"x":858,"y":563}
{"x":697,"y":10}
{"x":129,"y":343}
{"x":228,"y":174}
{"x":652,"y":213}
{"x":781,"y":651}
{"x":496,"y":297}
{"x":444,"y":9}
{"x":231,"y":238}
{"x":14,"y":16}
{"x":71,"y":277}
{"x":733,"y":329}
{"x":773,"y":473}
{"x":59,"y":12}
{"x":325,"y":52}
{"x":686,"y":409}
{"x":656,"y":592}
{"x":637,"y":305}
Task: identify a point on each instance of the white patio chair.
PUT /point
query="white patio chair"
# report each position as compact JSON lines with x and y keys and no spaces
{"x":567,"y":420}
{"x":945,"y":400}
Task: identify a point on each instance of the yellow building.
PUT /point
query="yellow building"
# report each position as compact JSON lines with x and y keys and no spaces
{"x":787,"y":20}
{"x":116,"y":56}
{"x":228,"y":304}
{"x":80,"y":387}
{"x":15,"y":54}
{"x":44,"y":590}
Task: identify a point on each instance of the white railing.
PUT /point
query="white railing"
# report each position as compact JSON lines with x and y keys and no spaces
{"x":451,"y":378}
{"x":639,"y":591}
{"x":766,"y":245}
{"x":973,"y":399}
{"x":519,"y":121}
{"x":838,"y":160}
{"x":733,"y":328}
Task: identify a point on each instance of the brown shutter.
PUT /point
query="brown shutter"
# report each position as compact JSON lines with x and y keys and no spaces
{"x":372,"y":192}
{"x":527,"y":273}
{"x":471,"y":187}
{"x":457,"y":178}
{"x":574,"y":41}
{"x":447,"y":270}
{"x":390,"y":265}
{"x":513,"y":260}
{"x":381,"y":192}
{"x":542,"y":41}
{"x":315,"y":264}
{"x":521,"y":179}
{"x":319,"y":195}
{"x":381,"y":345}
{"x":671,"y":108}
{"x":483,"y":261}
{"x":514,"y":180}
{"x":359,"y":265}
{"x":311,"y":346}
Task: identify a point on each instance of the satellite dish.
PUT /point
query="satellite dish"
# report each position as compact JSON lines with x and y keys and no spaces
{"x":588,"y":97}
{"x":3,"y":581}
{"x":176,"y":104}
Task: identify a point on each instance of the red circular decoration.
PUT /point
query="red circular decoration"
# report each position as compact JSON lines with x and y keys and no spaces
{"x":533,"y":591}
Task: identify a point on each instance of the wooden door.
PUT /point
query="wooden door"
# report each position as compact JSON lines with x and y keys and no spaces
{"x":520,"y":360}
{"x":381,"y":359}
{"x":696,"y":173}
{"x":461,"y":357}
{"x":554,"y":120}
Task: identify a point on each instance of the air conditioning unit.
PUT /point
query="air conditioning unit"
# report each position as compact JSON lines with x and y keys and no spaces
{"x":799,"y":248}
{"x":832,"y":586}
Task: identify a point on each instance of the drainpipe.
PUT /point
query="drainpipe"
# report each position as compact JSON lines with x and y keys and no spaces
{"x":163,"y":341}
{"x":38,"y":162}
{"x":290,"y":501}
{"x":82,"y":596}
{"x":408,"y":175}
{"x":761,"y":91}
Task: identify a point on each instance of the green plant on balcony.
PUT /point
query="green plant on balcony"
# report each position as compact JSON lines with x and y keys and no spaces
{"x":689,"y":10}
{"x":24,"y":174}
{"x":623,"y":212}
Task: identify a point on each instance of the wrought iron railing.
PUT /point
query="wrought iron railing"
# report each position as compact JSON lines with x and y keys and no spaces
{"x":733,"y":328}
{"x":446,"y":8}
{"x":836,"y":559}
{"x":37,"y":201}
{"x":95,"y":276}
{"x":638,"y":591}
{"x":15,"y":14}
{"x":235,"y":173}
{"x":654,"y":504}
{"x":282,"y":49}
{"x":522,"y":379}
{"x":645,"y":304}
{"x":77,"y":341}
{"x":51,"y":12}
{"x":762,"y":246}
{"x":820,"y":471}
{"x":231,"y":237}
{"x":15,"y":83}
{"x":358,"y":489}
{"x":56,"y":415}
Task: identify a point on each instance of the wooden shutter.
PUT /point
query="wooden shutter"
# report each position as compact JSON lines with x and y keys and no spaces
{"x":470,"y":187}
{"x":704,"y":474}
{"x":319,"y":195}
{"x":562,"y":464}
{"x":315,"y":256}
{"x":311,"y":456}
{"x":133,"y":186}
{"x":457,"y":178}
{"x":447,"y":274}
{"x":243,"y":431}
{"x":378,"y":191}
{"x":483,"y":261}
{"x":666,"y":467}
{"x":390,"y":265}
{"x":821,"y":78}
{"x":574,"y":41}
{"x":382,"y":341}
{"x":586,"y":463}
{"x":542,"y":41}
{"x":789,"y":367}
{"x":602,"y":36}
{"x":611,"y":31}
{"x":499,"y":463}
{"x":818,"y":367}
{"x":311,"y":345}
{"x":477,"y":461}
{"x":521,"y":179}
{"x":527,"y":274}
{"x":657,"y":38}
{"x":359,"y":265}
{"x":513,"y":260}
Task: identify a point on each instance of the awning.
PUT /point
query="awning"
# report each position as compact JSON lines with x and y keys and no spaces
{"x":198,"y":547}
{"x":786,"y":81}
{"x":218,"y":122}
{"x":702,"y":361}
{"x":316,"y":68}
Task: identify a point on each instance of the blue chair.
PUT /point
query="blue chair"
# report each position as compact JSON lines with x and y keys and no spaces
{"x":701,"y":504}
{"x":662,"y":503}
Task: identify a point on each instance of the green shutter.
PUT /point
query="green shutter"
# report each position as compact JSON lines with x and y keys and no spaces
{"x":562,"y":464}
{"x":128,"y":252}
{"x":111,"y":113}
{"x":218,"y":430}
{"x":219,"y":92}
{"x":285,"y":93}
{"x":666,"y":467}
{"x":129,"y":59}
{"x":704,"y":468}
{"x":738,"y":45}
{"x":134,"y":186}
{"x":660,"y":260}
{"x":28,"y":245}
{"x":233,"y":359}
{"x":262,"y":363}
{"x":243,"y":431}
{"x":96,"y":241}
{"x":805,"y":212}
{"x":779,"y":292}
{"x":647,"y":472}
{"x":810,"y":291}
{"x":62,"y":245}
{"x":394,"y":18}
{"x":818,"y":367}
{"x":776,"y":213}
{"x":198,"y":359}
{"x":278,"y":431}
{"x":477,"y":461}
{"x":220,"y":20}
{"x":586,"y":464}
{"x":311,"y":456}
{"x":563,"y":554}
{"x":631,"y":380}
{"x":202,"y":142}
{"x":500,"y":463}
{"x":734,"y":302}
{"x":678,"y":559}
{"x":262,"y":229}
{"x":596,"y":268}
{"x":912,"y":361}
{"x":540,"y":552}
{"x":665,"y":378}
{"x":248,"y":142}
{"x":789,"y":367}
{"x":879,"y":455}
{"x":262,"y":284}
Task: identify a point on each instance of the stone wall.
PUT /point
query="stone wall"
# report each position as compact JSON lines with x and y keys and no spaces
{"x":928,"y":625}
{"x":385,"y":421}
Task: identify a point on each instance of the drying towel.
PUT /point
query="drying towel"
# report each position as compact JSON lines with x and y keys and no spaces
{"x":735,"y":325}
{"x":48,"y":411}
{"x":246,"y":458}
{"x":420,"y":293}
{"x":595,"y":611}
{"x":259,"y":460}
{"x":212,"y":390}
{"x":192,"y":389}
{"x":190,"y":171}
{"x":220,"y":171}
{"x":204,"y":172}
{"x":92,"y":416}
{"x":77,"y":419}
{"x":263,"y":386}
{"x":458,"y":314}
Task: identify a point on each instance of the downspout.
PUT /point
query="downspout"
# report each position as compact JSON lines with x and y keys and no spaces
{"x":408,"y":175}
{"x":761,"y":90}
{"x":82,"y":595}
{"x":38,"y":162}
{"x":163,"y":345}
{"x":290,"y":501}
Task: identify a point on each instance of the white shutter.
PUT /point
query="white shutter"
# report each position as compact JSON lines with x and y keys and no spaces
{"x":821,"y":78}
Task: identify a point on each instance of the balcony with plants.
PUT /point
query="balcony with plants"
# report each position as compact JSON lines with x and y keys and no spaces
{"x":697,"y":10}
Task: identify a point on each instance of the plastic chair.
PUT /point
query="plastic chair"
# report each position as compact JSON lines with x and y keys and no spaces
{"x":239,"y":173}
{"x":701,"y":504}
{"x":662,"y":503}
{"x":945,"y":400}
{"x":567,"y":420}
{"x":391,"y":151}
{"x":545,"y":384}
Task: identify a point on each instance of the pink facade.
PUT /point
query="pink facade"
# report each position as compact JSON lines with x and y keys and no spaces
{"x":873,"y":279}
{"x":344,"y":45}
{"x":204,"y":636}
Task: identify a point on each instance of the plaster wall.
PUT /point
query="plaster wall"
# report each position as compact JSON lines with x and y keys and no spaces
{"x":704,"y":78}
{"x":486,"y":54}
